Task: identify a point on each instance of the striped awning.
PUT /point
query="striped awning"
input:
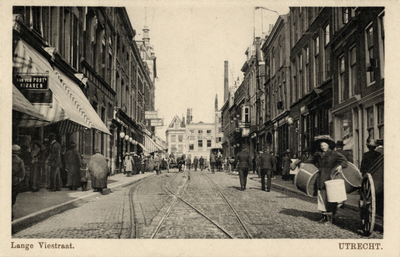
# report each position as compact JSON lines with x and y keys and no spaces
{"x":70,"y":106}
{"x":25,"y":109}
{"x":151,"y":145}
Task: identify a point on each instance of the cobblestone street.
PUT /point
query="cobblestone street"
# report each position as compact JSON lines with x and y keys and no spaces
{"x":276,"y":214}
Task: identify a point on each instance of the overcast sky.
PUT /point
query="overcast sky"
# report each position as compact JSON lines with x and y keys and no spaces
{"x":191,"y":42}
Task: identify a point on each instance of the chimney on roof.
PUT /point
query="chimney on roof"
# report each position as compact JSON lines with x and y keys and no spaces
{"x":226,"y":81}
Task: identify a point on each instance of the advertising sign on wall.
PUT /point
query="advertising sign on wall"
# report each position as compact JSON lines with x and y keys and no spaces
{"x":149,"y":115}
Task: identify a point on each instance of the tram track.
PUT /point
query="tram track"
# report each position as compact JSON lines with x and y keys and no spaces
{"x":178,"y":195}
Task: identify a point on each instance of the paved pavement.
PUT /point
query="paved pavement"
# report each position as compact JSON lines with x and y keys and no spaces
{"x":31,"y":207}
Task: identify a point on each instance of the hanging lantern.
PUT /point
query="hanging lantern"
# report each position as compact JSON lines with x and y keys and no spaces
{"x":130,"y":140}
{"x":126,"y":137}
{"x":122,"y":134}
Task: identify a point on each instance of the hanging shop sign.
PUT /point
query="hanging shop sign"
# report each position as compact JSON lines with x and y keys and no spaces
{"x":149,"y":115}
{"x":157,"y":122}
{"x":33,"y":82}
{"x":35,"y":88}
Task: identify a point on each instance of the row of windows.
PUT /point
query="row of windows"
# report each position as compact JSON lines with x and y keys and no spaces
{"x":62,"y":28}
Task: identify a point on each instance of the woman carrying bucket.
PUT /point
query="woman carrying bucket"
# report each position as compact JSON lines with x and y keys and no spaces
{"x":326,"y":160}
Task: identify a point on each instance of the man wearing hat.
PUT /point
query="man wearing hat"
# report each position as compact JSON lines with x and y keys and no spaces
{"x":18,"y":173}
{"x":339,"y":148}
{"x":242,"y":163}
{"x":266,"y":163}
{"x":369,"y":157}
{"x":326,"y":160}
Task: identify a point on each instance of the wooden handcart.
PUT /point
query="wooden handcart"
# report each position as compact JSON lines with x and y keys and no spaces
{"x":371,"y":196}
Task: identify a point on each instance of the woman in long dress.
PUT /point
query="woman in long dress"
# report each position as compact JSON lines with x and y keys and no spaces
{"x":99,"y":171}
{"x":326,"y":160}
{"x":73,"y":167}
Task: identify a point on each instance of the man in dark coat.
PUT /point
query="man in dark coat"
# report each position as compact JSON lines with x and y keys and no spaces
{"x":339,"y":148}
{"x":266,"y":163}
{"x":326,"y":160}
{"x":369,"y":157}
{"x":195,"y":163}
{"x":242,"y":163}
{"x":54,"y":162}
{"x":201,"y":163}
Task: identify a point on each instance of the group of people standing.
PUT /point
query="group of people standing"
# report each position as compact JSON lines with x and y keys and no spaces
{"x":39,"y":166}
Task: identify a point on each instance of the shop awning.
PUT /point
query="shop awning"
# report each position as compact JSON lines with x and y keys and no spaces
{"x":143,"y":147}
{"x":151,"y":145}
{"x":69,"y":104}
{"x":27,"y":112}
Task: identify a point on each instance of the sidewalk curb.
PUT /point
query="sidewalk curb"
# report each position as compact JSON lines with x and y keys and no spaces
{"x":31,"y":219}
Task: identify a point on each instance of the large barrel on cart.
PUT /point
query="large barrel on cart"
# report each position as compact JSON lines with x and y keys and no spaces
{"x":307,"y":175}
{"x":371,"y":196}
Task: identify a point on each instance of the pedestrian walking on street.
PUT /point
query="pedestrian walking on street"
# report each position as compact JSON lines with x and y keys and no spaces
{"x":195,"y":163}
{"x":212,"y":162}
{"x":157,"y":164}
{"x":201,"y":162}
{"x":339,"y":148}
{"x":326,"y":159}
{"x":99,"y":171}
{"x":136,"y":163}
{"x":73,"y":166}
{"x":266,"y":164}
{"x":242,"y":164}
{"x":286,"y":166}
{"x":18,"y":175}
{"x":188,"y":162}
{"x":128,"y":164}
{"x":54,"y":163}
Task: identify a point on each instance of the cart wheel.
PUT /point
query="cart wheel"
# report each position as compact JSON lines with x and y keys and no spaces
{"x":368,"y":208}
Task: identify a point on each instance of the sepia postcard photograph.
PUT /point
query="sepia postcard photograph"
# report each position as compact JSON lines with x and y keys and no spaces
{"x":166,"y":128}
